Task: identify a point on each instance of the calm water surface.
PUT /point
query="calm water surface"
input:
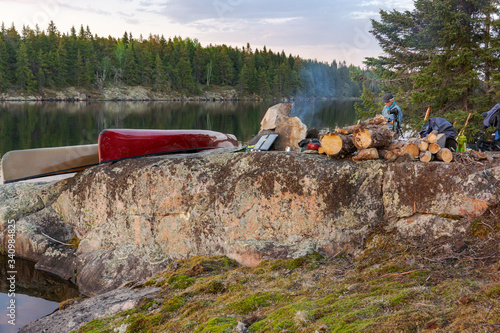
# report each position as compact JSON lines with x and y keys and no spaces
{"x":36,"y":295}
{"x":26,"y":125}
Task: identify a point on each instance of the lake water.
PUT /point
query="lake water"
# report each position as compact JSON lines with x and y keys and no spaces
{"x":26,"y":125}
{"x":36,"y":295}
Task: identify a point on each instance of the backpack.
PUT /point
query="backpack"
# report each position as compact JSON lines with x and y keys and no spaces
{"x":438,"y":124}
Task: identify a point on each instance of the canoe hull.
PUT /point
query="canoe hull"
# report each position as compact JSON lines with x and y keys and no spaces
{"x":34,"y":163}
{"x":118,"y":144}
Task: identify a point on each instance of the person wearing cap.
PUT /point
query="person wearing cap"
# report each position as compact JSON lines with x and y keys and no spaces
{"x":391,"y":110}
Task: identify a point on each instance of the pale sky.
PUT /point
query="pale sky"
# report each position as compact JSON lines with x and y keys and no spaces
{"x":312,"y":29}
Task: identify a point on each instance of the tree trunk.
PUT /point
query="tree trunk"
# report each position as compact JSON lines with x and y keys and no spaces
{"x":445,"y":155}
{"x":366,"y":154}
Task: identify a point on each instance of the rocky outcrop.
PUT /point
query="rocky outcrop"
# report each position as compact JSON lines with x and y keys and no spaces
{"x":122,"y":93}
{"x":134,"y":216}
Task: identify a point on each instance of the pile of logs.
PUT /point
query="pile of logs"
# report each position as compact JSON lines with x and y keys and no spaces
{"x":372,"y":139}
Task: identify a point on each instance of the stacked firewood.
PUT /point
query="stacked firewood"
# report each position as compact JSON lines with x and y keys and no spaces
{"x":372,"y":139}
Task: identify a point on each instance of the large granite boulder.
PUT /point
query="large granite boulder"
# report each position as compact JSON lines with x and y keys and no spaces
{"x":277,"y":120}
{"x":134,"y":216}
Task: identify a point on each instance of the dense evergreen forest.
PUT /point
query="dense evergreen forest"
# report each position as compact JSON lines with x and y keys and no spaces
{"x":36,"y":59}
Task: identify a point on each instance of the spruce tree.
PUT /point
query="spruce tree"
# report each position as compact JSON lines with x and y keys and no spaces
{"x":25,"y":78}
{"x":442,"y":53}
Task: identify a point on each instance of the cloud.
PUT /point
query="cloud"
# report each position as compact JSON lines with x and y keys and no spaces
{"x":388,"y":4}
{"x":187,"y":11}
{"x":363,"y":15}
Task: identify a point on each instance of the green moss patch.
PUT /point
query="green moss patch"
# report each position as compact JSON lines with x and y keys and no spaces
{"x":400,"y":290}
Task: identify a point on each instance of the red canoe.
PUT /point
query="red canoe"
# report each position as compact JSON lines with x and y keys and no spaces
{"x":117,"y":144}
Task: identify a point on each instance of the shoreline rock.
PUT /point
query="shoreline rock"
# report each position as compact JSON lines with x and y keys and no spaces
{"x":136,"y":93}
{"x":138,"y":215}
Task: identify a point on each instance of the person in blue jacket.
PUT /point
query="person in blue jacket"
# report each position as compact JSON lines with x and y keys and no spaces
{"x":392,"y":112}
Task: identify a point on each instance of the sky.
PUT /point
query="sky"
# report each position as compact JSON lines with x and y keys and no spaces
{"x":325,"y":30}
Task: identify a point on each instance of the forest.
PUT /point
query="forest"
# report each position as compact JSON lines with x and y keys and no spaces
{"x":444,"y":54}
{"x":35,"y":59}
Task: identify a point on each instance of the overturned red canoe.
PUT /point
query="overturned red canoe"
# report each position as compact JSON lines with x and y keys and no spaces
{"x":117,"y":144}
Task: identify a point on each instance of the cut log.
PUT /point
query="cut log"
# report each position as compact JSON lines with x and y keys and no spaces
{"x":397,"y":147}
{"x":420,"y":143}
{"x":385,"y":154}
{"x":331,"y":143}
{"x":411,"y":150}
{"x":366,"y":154}
{"x":372,"y":137}
{"x":321,"y":150}
{"x":334,"y":144}
{"x":434,"y":148}
{"x":423,"y":145}
{"x":432,"y":137}
{"x":378,"y":120}
{"x":445,"y":155}
{"x":426,"y":156}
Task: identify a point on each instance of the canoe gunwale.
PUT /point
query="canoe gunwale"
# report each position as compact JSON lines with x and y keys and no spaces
{"x":53,"y":173}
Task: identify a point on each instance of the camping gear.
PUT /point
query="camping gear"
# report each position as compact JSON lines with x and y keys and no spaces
{"x":34,"y":163}
{"x":265,"y":142}
{"x":488,"y":145}
{"x":312,"y":146}
{"x":438,"y":124}
{"x":492,"y":117}
{"x":118,"y":144}
{"x":462,"y":143}
{"x":427,"y":113}
{"x":309,"y":144}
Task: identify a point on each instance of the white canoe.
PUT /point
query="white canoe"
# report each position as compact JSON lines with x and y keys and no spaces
{"x":34,"y":163}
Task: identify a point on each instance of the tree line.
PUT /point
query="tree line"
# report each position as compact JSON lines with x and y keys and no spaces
{"x":36,"y":59}
{"x":444,"y":53}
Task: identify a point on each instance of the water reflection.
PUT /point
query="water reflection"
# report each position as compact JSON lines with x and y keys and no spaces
{"x":26,"y":125}
{"x":37,"y":294}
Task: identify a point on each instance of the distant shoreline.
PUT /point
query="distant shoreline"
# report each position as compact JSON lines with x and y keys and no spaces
{"x":142,"y":94}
